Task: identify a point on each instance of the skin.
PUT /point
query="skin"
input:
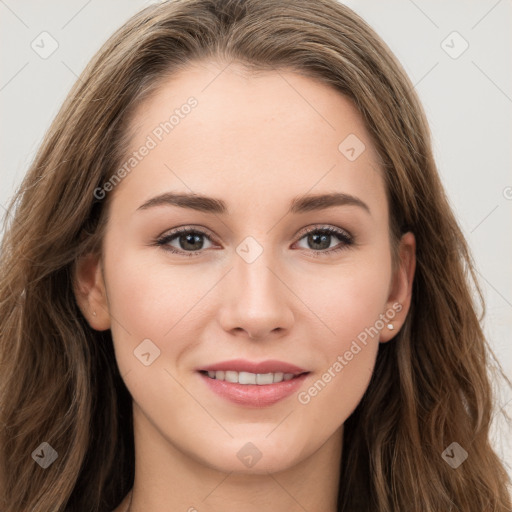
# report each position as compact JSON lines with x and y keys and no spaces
{"x":255,"y":141}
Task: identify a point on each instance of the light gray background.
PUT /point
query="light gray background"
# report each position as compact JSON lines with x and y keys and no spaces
{"x":468,"y":101}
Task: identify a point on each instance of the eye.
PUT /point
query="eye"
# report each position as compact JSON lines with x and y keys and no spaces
{"x":321,"y":238}
{"x":190,"y":241}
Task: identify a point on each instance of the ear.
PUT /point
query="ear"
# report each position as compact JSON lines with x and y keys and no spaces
{"x":400,"y":292}
{"x":90,"y":292}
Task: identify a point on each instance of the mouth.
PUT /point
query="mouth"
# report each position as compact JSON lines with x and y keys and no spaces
{"x":254,"y":390}
{"x":248,"y":378}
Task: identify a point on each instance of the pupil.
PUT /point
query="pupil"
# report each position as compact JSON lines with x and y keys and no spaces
{"x":324,"y":238}
{"x":191,"y":238}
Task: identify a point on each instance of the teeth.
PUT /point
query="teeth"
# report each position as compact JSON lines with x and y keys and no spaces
{"x":260,"y":379}
{"x":278,"y":377}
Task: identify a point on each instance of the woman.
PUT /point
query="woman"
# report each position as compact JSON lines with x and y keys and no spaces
{"x":318,"y":349}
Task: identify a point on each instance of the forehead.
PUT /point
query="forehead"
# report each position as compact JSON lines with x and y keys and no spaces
{"x":249,"y":135}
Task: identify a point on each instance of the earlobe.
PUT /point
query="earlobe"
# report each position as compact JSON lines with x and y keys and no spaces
{"x":400,"y":294}
{"x":90,"y":293}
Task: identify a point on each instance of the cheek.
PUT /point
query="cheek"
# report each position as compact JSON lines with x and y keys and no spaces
{"x":351,"y":308}
{"x":147,"y":300}
{"x":352,"y":299}
{"x":156,"y":301}
{"x":138,"y":297}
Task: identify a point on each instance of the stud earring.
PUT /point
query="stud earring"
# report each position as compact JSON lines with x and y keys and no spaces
{"x":391,"y":327}
{"x":94,"y":313}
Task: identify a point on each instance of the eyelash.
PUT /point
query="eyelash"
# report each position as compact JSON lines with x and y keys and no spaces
{"x":346,"y":239}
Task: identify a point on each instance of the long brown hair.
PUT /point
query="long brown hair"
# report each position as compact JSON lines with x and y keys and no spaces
{"x":59,"y":379}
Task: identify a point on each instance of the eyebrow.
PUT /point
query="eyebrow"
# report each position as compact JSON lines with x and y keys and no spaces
{"x":299,"y":204}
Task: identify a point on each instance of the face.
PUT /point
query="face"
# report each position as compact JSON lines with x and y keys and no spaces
{"x":260,"y":271}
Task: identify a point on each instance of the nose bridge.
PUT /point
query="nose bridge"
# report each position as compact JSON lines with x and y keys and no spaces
{"x":258,"y":284}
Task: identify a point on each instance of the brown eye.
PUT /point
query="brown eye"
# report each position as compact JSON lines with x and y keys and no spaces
{"x":187,"y":241}
{"x":319,"y":240}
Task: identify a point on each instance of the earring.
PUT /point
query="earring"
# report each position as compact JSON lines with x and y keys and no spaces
{"x":391,"y":327}
{"x":94,"y":313}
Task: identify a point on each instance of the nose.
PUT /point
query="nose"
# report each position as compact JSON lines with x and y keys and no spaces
{"x":256,"y":301}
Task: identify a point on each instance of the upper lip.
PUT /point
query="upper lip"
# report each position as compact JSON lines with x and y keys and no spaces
{"x":242,"y":365}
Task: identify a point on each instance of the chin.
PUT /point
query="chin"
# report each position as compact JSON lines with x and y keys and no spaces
{"x":257,"y":456}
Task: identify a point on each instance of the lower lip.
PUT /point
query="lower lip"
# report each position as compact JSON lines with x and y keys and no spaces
{"x":253,"y":394}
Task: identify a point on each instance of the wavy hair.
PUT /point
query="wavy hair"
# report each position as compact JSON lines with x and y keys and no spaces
{"x":59,"y":379}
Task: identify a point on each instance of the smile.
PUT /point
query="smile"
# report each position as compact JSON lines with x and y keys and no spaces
{"x":260,"y":379}
{"x":253,"y":389}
